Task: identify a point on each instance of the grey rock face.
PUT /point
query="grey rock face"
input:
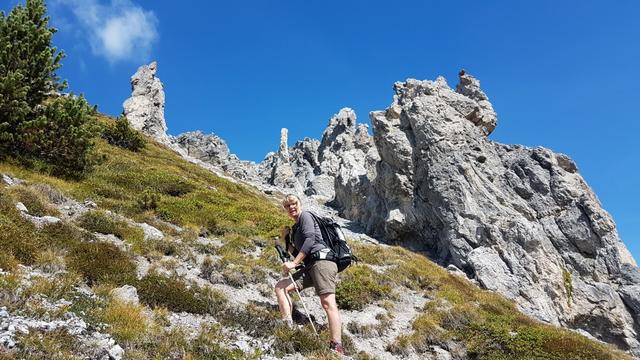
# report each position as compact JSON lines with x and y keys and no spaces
{"x":483,"y":114}
{"x":145,"y":108}
{"x":521,"y":221}
{"x":276,"y":168}
{"x":126,"y":294}
{"x":322,"y":168}
{"x":213,"y":150}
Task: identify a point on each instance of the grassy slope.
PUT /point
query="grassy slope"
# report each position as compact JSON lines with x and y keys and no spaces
{"x":157,"y":184}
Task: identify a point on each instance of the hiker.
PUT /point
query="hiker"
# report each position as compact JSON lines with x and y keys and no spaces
{"x":305,"y":239}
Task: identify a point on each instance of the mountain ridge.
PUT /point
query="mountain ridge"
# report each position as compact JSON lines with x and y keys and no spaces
{"x":542,"y":214}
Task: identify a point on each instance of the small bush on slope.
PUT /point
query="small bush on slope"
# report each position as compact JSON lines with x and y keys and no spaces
{"x":34,"y":201}
{"x":360,"y":286}
{"x":120,"y":133}
{"x":100,"y":262}
{"x":101,"y":222}
{"x":173,"y":294}
{"x":127,"y":322}
{"x":18,"y":236}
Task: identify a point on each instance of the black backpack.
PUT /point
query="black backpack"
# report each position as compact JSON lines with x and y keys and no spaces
{"x":333,"y":238}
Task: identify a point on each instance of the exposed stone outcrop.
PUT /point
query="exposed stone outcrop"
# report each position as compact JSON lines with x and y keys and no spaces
{"x":276,"y":168}
{"x":213,"y":150}
{"x":520,"y":220}
{"x":321,"y":168}
{"x":145,"y":108}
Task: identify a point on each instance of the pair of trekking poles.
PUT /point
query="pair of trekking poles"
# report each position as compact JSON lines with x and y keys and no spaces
{"x":284,"y":257}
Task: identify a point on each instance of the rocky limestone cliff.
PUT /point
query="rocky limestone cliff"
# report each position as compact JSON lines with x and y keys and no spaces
{"x":145,"y":108}
{"x":213,"y":150}
{"x":522,"y":221}
{"x":320,"y":168}
{"x":276,"y":168}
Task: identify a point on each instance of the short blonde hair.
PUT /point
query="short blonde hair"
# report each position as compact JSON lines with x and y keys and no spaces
{"x":290,"y":198}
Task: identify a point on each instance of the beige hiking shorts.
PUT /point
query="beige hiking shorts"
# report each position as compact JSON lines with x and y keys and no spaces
{"x":322,"y":275}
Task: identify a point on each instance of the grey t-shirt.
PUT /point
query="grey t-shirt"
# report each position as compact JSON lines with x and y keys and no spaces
{"x":306,"y":235}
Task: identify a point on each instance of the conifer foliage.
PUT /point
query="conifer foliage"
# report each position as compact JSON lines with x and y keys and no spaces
{"x":121,"y":134}
{"x":37,"y":125}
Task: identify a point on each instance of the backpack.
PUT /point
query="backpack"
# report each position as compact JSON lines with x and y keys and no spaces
{"x":333,"y":238}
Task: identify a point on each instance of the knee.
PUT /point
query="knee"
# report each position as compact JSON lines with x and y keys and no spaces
{"x":328,"y":305}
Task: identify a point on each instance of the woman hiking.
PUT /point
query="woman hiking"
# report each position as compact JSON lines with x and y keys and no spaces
{"x":306,"y":239}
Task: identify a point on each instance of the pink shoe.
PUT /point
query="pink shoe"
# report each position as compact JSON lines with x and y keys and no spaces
{"x":337,"y":347}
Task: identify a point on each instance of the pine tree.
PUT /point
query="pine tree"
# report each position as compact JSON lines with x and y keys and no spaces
{"x":27,"y":67}
{"x":37,"y":126}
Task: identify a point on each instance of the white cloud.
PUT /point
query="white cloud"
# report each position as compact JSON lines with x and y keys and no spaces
{"x":118,"y":31}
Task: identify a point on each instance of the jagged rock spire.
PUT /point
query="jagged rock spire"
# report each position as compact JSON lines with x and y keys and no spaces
{"x":145,"y":108}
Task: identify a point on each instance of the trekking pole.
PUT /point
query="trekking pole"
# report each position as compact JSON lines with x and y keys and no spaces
{"x":283,"y":256}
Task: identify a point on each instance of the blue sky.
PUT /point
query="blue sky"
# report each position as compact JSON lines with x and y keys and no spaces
{"x":560,"y":74}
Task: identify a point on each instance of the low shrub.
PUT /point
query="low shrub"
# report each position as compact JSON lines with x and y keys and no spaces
{"x":54,"y":344}
{"x":401,"y":346}
{"x":100,"y":262}
{"x":8,"y":262}
{"x":172,"y":293}
{"x":88,"y":308}
{"x":101,"y":222}
{"x":120,"y":133}
{"x":148,"y":200}
{"x":64,"y":235}
{"x":207,"y":268}
{"x":360,"y":286}
{"x":255,"y":320}
{"x":50,"y":193}
{"x":127,"y":322}
{"x":236,"y":266}
{"x":207,"y":345}
{"x":18,"y":236}
{"x":303,"y":341}
{"x":33,"y":201}
{"x":54,"y":288}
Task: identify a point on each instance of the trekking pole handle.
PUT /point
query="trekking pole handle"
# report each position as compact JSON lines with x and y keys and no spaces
{"x":284,"y":257}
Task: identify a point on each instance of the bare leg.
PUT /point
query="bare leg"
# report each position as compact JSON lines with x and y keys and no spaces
{"x":330,"y":307}
{"x":283,"y":287}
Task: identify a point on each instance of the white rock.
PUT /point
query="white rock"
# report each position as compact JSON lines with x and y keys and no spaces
{"x":126,"y":294}
{"x":116,"y":352}
{"x":10,"y":181}
{"x":20,"y":206}
{"x":150,"y":232}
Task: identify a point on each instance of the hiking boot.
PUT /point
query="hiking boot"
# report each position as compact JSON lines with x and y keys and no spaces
{"x":337,"y":347}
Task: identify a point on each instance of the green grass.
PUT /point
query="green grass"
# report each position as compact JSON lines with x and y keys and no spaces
{"x":56,"y":344}
{"x":19,"y":238}
{"x":101,"y":262}
{"x":487,"y":324}
{"x":35,"y":202}
{"x":127,"y":322}
{"x":173,"y":294}
{"x":156,"y":182}
{"x":101,"y":222}
{"x":360,"y":286}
